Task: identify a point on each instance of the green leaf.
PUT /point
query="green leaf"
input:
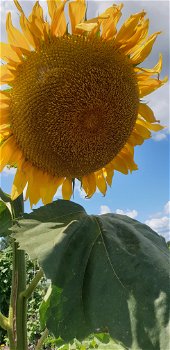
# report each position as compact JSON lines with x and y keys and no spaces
{"x":108,"y":272}
{"x":5,"y":196}
{"x":5,"y":219}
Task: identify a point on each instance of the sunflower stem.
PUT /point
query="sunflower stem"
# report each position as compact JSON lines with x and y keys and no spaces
{"x":18,"y":304}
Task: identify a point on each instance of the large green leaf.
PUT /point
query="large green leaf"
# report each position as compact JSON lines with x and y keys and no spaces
{"x":108,"y":272}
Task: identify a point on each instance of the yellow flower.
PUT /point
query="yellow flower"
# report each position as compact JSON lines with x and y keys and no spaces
{"x":74,"y":106}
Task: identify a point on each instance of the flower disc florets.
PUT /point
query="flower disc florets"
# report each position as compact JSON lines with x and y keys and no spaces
{"x":73,"y":105}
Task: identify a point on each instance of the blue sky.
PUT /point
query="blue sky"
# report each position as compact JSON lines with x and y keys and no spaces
{"x":144,"y":194}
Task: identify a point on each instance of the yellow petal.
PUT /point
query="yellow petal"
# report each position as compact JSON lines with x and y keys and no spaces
{"x":6,"y":152}
{"x":109,"y":173}
{"x":18,"y":6}
{"x":87,"y":27}
{"x":4,"y":103}
{"x":5,"y":132}
{"x":36,"y":17}
{"x":67,"y":189}
{"x":4,"y":115}
{"x":142,"y":131}
{"x":144,"y":51}
{"x":49,"y":187}
{"x":33,"y":192}
{"x":25,"y":25}
{"x":5,"y":75}
{"x":4,"y":119}
{"x":7,"y":53}
{"x":101,"y":182}
{"x":4,"y":128}
{"x":58,"y":23}
{"x":4,"y":99}
{"x":135,"y":139}
{"x":13,"y":66}
{"x":4,"y":95}
{"x":14,"y":36}
{"x":109,"y":25}
{"x":129,"y":27}
{"x":36,"y":23}
{"x":89,"y":184}
{"x":41,"y":186}
{"x":19,"y":184}
{"x":91,"y":24}
{"x":16,"y":155}
{"x":154,"y":127}
{"x":77,"y":10}
{"x":133,"y":43}
{"x":20,"y":51}
{"x":149,"y":85}
{"x":119,"y":165}
{"x":36,"y":33}
{"x":149,"y":72}
{"x":128,"y":159}
{"x":146,"y":112}
{"x":51,"y":7}
{"x":52,"y":190}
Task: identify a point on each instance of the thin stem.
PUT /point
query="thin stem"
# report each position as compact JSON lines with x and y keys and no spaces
{"x":41,"y":340}
{"x":18,"y":305}
{"x":27,"y":293}
{"x":3,"y":321}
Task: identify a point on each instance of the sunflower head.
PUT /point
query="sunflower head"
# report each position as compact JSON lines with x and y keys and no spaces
{"x":74,"y":106}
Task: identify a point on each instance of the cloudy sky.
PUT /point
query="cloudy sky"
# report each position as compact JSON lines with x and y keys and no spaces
{"x":143,"y":195}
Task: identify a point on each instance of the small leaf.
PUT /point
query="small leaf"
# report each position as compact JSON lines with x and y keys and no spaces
{"x":5,"y":196}
{"x":103,"y":337}
{"x":5,"y":219}
{"x":108,"y":272}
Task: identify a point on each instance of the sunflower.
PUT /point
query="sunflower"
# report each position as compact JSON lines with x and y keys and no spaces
{"x":73,"y":109}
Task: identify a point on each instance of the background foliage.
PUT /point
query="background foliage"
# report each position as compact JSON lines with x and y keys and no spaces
{"x":34,"y":329}
{"x":5,"y":283}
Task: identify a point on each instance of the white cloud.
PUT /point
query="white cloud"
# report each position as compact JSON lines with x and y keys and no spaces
{"x":167,"y":208}
{"x":159,"y":137}
{"x":160,"y":222}
{"x":131,"y":213}
{"x":104,"y":209}
{"x":160,"y":225}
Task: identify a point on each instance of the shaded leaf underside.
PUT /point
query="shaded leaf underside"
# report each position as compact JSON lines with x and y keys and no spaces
{"x":108,"y":272}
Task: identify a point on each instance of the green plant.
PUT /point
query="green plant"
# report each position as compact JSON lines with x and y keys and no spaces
{"x":33,"y":325}
{"x":73,"y":111}
{"x":5,"y":284}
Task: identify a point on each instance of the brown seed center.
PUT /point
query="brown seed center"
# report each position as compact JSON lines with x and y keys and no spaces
{"x":73,"y":105}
